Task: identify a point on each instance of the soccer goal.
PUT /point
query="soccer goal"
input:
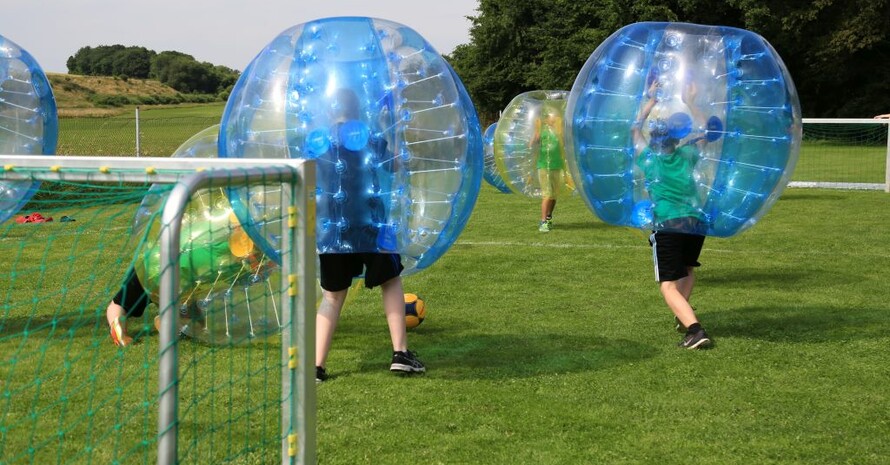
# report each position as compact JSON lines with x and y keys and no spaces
{"x":844,"y":154}
{"x":222,"y":364}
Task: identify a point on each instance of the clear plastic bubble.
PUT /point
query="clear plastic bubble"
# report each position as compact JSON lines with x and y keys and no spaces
{"x":490,"y":173}
{"x":393,"y":132}
{"x":530,"y":136}
{"x":718,"y":145}
{"x":29,"y":123}
{"x":215,"y":251}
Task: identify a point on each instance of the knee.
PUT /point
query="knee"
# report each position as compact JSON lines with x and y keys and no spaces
{"x":668,"y":287}
{"x":334,"y":298}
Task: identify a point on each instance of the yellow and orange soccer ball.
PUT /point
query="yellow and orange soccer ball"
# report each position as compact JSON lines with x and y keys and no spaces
{"x":415,"y":311}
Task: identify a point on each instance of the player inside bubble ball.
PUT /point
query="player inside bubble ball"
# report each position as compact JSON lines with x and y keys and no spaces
{"x":668,"y":165}
{"x":358,"y":226}
{"x":550,"y":164}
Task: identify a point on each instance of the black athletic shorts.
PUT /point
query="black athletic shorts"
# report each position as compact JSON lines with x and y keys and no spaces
{"x":131,"y":296}
{"x":673,"y":252}
{"x":338,"y":269}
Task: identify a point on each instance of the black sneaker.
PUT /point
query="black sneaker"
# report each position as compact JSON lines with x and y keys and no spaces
{"x":406,"y":362}
{"x":696,"y":340}
{"x":320,"y":375}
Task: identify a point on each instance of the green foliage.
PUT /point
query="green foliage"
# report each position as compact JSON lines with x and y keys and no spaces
{"x":175,"y":69}
{"x":829,"y":45}
{"x":543,"y":44}
{"x":183,"y":73}
{"x":111,"y":100}
{"x":111,"y":60}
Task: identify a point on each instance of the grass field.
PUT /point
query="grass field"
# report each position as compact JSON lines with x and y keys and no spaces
{"x":161,"y":131}
{"x":826,"y":162}
{"x":541,"y":348}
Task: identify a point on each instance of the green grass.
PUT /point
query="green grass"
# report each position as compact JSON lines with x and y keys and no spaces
{"x":541,"y":348}
{"x":829,"y":162}
{"x":162,"y":131}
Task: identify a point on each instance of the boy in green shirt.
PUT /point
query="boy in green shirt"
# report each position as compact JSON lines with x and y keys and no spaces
{"x":676,"y":242}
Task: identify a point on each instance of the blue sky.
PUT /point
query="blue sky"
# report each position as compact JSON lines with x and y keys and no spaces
{"x":222,"y":32}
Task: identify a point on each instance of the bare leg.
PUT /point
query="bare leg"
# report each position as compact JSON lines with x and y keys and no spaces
{"x":394,"y":308}
{"x":547,"y":206}
{"x":686,"y":284}
{"x":326,"y":322}
{"x":673,"y":296}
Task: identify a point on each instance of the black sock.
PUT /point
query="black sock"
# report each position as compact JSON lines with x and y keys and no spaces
{"x":693,"y":328}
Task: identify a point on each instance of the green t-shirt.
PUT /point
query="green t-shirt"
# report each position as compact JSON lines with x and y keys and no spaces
{"x":670,"y":182}
{"x":550,"y":154}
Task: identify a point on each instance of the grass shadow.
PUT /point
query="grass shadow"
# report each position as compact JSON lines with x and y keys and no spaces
{"x":515,"y":356}
{"x":800,"y":324}
{"x":579,"y":225}
{"x":809,"y":196}
{"x":779,"y":277}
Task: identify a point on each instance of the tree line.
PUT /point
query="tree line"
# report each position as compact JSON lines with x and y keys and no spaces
{"x":175,"y":69}
{"x":835,"y":50}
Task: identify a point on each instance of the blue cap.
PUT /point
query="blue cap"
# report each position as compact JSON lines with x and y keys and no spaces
{"x":679,"y":125}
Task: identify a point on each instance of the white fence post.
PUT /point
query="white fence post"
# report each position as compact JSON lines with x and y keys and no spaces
{"x":137,"y":131}
{"x":887,"y":169}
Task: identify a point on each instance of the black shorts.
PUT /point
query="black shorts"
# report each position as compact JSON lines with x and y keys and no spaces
{"x":131,"y":296}
{"x":338,"y":269}
{"x":673,"y":253}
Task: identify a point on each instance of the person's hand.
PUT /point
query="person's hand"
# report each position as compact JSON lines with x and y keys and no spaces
{"x":884,"y":116}
{"x":652,"y":92}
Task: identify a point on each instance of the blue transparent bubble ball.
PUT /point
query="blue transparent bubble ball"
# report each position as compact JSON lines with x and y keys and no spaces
{"x":29,"y":123}
{"x":718,"y":146}
{"x":394,"y":135}
{"x":520,"y":139}
{"x":490,"y":173}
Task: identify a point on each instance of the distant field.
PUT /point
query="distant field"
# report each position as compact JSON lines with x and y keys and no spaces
{"x":162,"y":130}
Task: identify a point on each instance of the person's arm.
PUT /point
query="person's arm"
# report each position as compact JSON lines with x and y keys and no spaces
{"x":536,"y":136}
{"x":637,"y":127}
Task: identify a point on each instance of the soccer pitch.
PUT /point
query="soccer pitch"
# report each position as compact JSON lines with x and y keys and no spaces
{"x":544,"y":348}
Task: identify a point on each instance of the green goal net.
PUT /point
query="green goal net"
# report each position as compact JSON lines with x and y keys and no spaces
{"x":216,"y":372}
{"x":844,"y":154}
